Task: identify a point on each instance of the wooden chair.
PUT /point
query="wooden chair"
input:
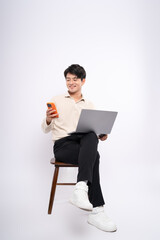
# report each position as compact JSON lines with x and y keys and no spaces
{"x":55,"y":178}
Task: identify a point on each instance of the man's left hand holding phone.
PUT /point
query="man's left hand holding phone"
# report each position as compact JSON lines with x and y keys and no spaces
{"x":51,"y":112}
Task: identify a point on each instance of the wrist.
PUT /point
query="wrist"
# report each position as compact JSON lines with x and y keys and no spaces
{"x":48,"y":122}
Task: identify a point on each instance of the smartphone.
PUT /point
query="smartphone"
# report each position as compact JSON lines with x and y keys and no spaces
{"x":52,"y":106}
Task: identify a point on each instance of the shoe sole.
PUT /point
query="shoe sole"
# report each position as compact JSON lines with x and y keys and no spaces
{"x":101,"y":228}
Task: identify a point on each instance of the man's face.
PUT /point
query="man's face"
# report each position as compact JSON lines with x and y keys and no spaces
{"x":73,"y":83}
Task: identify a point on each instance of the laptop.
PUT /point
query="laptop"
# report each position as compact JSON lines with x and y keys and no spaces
{"x":98,"y":121}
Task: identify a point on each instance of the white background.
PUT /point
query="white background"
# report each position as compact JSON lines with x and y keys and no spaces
{"x":117,"y":42}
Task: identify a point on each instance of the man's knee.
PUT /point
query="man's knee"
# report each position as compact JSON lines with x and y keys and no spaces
{"x":92,"y":135}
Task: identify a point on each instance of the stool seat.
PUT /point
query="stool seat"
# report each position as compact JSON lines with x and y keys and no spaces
{"x":55,"y":178}
{"x":62,"y":164}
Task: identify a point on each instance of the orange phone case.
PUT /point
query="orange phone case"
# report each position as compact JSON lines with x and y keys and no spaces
{"x":51,"y":105}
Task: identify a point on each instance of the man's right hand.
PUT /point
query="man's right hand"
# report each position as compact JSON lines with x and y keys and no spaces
{"x":50,"y":115}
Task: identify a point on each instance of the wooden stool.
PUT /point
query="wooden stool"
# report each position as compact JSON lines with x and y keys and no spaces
{"x":55,"y":178}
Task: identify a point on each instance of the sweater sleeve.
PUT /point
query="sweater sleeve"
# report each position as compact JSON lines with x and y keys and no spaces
{"x":46,"y":128}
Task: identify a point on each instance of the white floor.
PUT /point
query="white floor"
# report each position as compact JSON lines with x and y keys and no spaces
{"x":132,"y":203}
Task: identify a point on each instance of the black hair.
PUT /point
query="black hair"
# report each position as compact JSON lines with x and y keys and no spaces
{"x":76,"y":70}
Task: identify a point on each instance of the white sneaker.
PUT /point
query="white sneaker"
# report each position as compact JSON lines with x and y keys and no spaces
{"x":100,"y":220}
{"x":80,"y":196}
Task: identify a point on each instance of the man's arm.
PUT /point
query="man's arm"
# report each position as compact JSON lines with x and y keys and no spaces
{"x":47,"y":123}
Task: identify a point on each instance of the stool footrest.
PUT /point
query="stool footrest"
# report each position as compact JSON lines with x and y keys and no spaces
{"x":66,"y":184}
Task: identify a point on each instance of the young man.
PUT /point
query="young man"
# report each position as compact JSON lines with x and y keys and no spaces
{"x":80,"y":149}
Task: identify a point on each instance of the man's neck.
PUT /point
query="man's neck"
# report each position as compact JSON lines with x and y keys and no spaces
{"x":77,"y":96}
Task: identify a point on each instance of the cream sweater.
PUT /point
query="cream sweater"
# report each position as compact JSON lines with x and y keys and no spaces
{"x":69,"y":112}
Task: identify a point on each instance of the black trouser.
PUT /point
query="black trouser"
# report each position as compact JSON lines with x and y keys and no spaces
{"x":81,"y":149}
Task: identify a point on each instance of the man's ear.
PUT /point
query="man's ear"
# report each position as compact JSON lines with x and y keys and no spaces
{"x":83,"y":81}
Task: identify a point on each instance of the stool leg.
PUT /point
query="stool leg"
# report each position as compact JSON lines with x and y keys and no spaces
{"x":53,"y":189}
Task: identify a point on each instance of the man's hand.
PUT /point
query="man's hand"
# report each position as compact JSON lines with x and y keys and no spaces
{"x":103,"y":137}
{"x":50,"y":115}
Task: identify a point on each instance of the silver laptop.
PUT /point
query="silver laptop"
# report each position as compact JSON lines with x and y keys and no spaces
{"x":98,"y":121}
